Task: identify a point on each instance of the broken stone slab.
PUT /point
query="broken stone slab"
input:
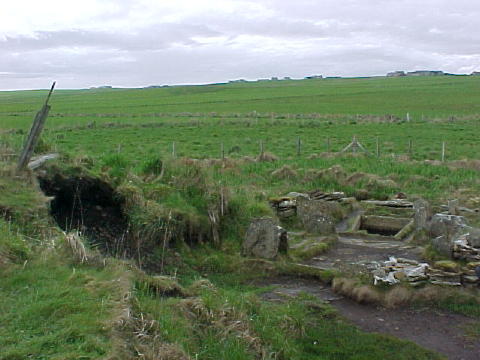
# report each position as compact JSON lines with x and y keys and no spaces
{"x":470,"y":279}
{"x":264,"y":239}
{"x":448,"y":225}
{"x":405,"y":231}
{"x":443,"y":245}
{"x":422,"y":214}
{"x":473,"y":237}
{"x":38,"y":161}
{"x":453,"y":207}
{"x":318,"y":216}
{"x":320,"y":195}
{"x":461,"y":209}
{"x":446,"y":230}
{"x":395,"y":270}
{"x":439,"y":275}
{"x":398,"y":203}
{"x":295,"y":195}
{"x":445,"y":283}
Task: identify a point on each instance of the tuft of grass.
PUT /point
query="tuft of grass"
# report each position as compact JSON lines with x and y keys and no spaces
{"x":310,"y":248}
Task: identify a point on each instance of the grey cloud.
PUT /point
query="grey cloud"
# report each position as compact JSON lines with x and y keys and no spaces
{"x":151,"y":38}
{"x":332,"y":37}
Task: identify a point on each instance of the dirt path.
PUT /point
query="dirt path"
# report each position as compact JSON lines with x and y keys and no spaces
{"x":440,"y":331}
{"x":436,"y":330}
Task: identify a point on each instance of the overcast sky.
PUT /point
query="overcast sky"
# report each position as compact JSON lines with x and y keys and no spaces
{"x":83,"y":43}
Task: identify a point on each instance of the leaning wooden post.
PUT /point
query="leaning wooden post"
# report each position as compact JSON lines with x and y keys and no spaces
{"x":299,"y":146}
{"x":35,"y":132}
{"x":378,"y":147}
{"x":443,"y":151}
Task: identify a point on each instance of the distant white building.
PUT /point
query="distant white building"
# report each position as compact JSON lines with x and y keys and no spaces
{"x":396,"y":74}
{"x":314,"y":77}
{"x":425,"y":73}
{"x":476,"y":73}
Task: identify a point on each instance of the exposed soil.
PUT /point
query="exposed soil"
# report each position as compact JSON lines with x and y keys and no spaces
{"x":436,"y":330}
{"x":433,"y":329}
{"x":90,"y":206}
{"x":356,"y":254}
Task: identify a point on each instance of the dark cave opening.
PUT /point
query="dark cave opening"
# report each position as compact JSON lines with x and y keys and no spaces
{"x":90,"y":206}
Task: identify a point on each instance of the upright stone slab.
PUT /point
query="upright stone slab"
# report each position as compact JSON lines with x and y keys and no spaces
{"x":444,"y":229}
{"x":264,"y":239}
{"x":473,"y":237}
{"x":318,"y":216}
{"x":422,"y":214}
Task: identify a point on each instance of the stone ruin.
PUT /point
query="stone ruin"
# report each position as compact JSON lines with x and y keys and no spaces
{"x":324,"y":214}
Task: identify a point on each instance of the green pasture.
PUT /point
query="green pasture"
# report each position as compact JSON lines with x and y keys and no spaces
{"x":429,"y":97}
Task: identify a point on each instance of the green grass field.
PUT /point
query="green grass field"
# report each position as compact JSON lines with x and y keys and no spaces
{"x":431,"y":97}
{"x":124,"y":137}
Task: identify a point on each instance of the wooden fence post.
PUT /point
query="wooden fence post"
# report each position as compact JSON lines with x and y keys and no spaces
{"x":173,"y":149}
{"x":222,"y":151}
{"x":410,"y":147}
{"x":443,"y":151}
{"x":261,"y":149}
{"x":35,"y":132}
{"x":378,"y":147}
{"x":328,"y":144}
{"x":299,"y":146}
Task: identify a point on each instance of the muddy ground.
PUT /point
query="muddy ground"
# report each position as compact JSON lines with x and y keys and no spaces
{"x":441,"y":331}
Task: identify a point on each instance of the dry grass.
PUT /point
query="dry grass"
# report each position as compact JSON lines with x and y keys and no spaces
{"x":159,"y":285}
{"x":76,"y":246}
{"x":267,"y":157}
{"x":285,"y":172}
{"x":428,"y":294}
{"x":197,"y":287}
{"x":364,"y":294}
{"x":398,"y":296}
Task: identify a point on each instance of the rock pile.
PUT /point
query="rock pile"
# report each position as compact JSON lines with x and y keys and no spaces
{"x":452,"y":237}
{"x":463,"y":250}
{"x":287,"y":206}
{"x":395,"y":270}
{"x":447,"y":273}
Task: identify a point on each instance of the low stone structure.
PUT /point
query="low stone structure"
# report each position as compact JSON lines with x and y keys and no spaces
{"x":447,"y":273}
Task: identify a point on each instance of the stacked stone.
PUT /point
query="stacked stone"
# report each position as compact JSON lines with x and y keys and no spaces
{"x":464,"y":251}
{"x":320,"y":195}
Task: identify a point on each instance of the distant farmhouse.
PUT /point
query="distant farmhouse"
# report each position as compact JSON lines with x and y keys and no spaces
{"x":314,"y":77}
{"x":425,"y":73}
{"x":396,"y":74}
{"x":101,"y":87}
{"x":416,"y":73}
{"x":476,"y":73}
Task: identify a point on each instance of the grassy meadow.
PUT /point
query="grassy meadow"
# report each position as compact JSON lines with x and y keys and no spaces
{"x":160,"y":151}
